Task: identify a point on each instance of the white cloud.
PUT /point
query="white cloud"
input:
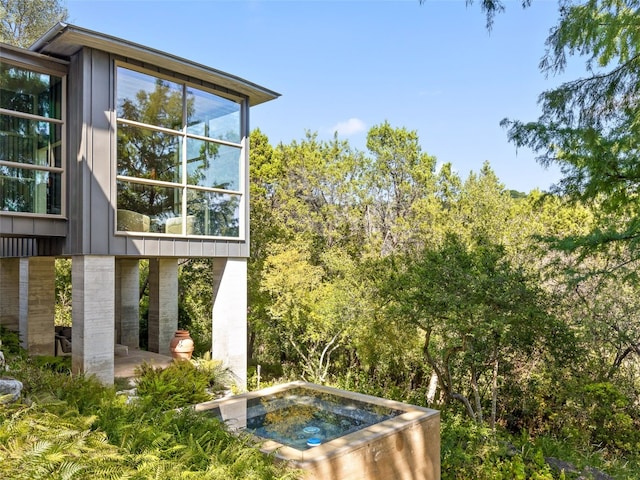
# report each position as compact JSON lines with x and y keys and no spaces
{"x":349,"y":127}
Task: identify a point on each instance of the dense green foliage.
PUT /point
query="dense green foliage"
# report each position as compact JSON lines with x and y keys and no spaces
{"x":181,"y":383}
{"x":74,"y":427}
{"x":515,"y":314}
{"x":589,"y":126}
{"x":377,"y":272}
{"x":23,"y":22}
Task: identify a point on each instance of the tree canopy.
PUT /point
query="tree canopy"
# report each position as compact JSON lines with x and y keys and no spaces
{"x":22,"y":22}
{"x":590,"y":126}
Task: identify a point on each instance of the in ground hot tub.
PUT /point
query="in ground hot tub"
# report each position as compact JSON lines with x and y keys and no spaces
{"x":335,"y":434}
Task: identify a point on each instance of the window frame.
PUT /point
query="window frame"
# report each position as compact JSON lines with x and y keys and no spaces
{"x":186,"y":83}
{"x":61,"y":122}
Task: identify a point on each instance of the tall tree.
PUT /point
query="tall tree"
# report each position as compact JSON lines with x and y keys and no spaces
{"x":304,"y":215}
{"x":22,"y":22}
{"x":401,"y":183}
{"x":311,"y":314}
{"x":590,"y":127}
{"x":476,"y":312}
{"x":483,"y":208}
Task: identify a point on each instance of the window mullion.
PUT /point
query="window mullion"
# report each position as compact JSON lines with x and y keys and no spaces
{"x":185,"y":122}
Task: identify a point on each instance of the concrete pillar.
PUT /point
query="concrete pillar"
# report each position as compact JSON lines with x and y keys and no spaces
{"x":93,"y":283}
{"x":10,"y":293}
{"x":128,"y":302}
{"x":229,"y":317}
{"x":37,"y":299}
{"x":163,"y":303}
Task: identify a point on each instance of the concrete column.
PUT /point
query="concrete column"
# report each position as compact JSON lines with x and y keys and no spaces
{"x":10,"y":293}
{"x":93,"y":283}
{"x":127,"y":302}
{"x":37,"y":299}
{"x":229,"y":322}
{"x":163,"y":303}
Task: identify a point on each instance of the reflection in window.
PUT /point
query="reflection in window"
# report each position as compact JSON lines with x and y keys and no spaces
{"x":146,"y":99}
{"x":29,"y":141}
{"x":30,"y":92}
{"x":215,"y":214}
{"x":157,"y":203}
{"x":213,"y":116}
{"x":213,"y":165}
{"x":145,"y":153}
{"x":172,"y":137}
{"x":30,"y":191}
{"x":34,"y":142}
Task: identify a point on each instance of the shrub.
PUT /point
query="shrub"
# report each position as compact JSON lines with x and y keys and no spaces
{"x":55,"y":364}
{"x":218,"y":377}
{"x":178,"y":385}
{"x":79,"y":428}
{"x":611,"y":418}
{"x":10,"y":343}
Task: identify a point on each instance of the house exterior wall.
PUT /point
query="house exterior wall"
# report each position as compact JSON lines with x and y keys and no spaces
{"x":31,"y":225}
{"x":163,"y":304}
{"x":128,"y":302}
{"x":37,"y":304}
{"x":10,"y":293}
{"x":92,"y":169}
{"x":84,"y":228}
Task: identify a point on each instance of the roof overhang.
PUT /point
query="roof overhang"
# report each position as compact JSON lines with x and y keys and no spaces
{"x":64,"y":40}
{"x":27,"y":58}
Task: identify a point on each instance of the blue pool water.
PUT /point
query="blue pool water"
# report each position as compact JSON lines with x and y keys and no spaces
{"x":303,"y":417}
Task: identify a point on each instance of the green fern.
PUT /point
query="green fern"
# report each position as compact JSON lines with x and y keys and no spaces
{"x":78,"y":429}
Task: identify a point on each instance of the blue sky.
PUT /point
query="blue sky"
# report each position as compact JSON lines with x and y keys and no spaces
{"x":349,"y":65}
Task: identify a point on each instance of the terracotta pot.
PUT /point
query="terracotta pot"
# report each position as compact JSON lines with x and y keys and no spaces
{"x":181,"y":345}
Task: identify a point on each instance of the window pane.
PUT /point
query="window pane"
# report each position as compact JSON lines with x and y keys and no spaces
{"x":212,"y":116}
{"x":30,"y":191}
{"x":30,"y":92}
{"x":145,"y":153}
{"x":147,"y":208}
{"x":213,"y":165}
{"x":213,"y":213}
{"x":147,"y":99}
{"x":29,"y":141}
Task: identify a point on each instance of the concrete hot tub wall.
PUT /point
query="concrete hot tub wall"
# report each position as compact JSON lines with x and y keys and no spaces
{"x":406,"y":446}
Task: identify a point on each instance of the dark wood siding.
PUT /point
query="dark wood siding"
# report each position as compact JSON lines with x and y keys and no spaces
{"x":92,"y":170}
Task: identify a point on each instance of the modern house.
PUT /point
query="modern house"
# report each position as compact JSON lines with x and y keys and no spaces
{"x":112,"y":152}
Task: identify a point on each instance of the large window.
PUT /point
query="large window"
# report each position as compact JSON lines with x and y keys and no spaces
{"x":31,"y":147}
{"x":180,"y":158}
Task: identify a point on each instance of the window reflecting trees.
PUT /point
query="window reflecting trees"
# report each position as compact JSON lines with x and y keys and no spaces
{"x":31,"y":148}
{"x":179,"y":150}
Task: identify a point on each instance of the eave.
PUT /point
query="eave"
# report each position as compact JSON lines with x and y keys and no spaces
{"x":64,"y":40}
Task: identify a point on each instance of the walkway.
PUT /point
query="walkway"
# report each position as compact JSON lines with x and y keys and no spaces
{"x":124,"y":365}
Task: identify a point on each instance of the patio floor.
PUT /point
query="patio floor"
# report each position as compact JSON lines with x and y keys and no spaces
{"x":124,"y":365}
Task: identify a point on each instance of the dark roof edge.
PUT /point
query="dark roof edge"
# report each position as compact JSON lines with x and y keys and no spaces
{"x":48,"y":36}
{"x":84,"y":37}
{"x":28,"y":59}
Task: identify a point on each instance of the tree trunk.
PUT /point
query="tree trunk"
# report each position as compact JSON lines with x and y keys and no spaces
{"x":433,"y":387}
{"x":494,"y":392}
{"x":476,"y":396}
{"x":465,"y":401}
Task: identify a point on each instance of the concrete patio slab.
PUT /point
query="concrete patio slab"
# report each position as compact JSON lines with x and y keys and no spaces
{"x":125,"y":365}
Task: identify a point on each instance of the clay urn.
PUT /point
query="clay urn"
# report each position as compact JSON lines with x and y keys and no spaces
{"x":181,"y":345}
